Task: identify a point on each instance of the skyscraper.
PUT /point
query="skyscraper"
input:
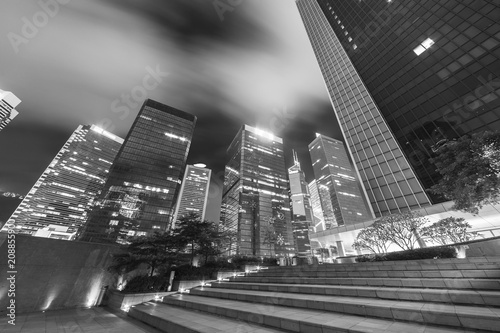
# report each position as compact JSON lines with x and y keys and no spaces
{"x":65,"y":191}
{"x":8,"y":103}
{"x":404,"y":78}
{"x":194,"y":192}
{"x":141,"y":191}
{"x":255,"y":201}
{"x":302,"y":215}
{"x":319,"y":218}
{"x":338,"y":183}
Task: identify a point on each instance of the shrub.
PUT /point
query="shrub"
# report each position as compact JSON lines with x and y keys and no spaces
{"x":244,"y":260}
{"x":147,"y":284}
{"x":218,"y":265}
{"x":415,"y":254}
{"x":270,"y":261}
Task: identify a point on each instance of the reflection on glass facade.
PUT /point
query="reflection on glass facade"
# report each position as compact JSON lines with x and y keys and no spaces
{"x":194,"y":192}
{"x":65,"y":191}
{"x":8,"y":103}
{"x":404,"y":78}
{"x":302,"y":215}
{"x":338,"y":184}
{"x":141,"y":191}
{"x":319,"y":218}
{"x":255,"y":196}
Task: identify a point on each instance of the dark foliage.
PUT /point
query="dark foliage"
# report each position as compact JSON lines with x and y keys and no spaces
{"x":147,"y":284}
{"x":415,"y":254}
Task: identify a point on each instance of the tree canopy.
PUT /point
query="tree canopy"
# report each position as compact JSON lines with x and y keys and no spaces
{"x":400,"y":229}
{"x":449,"y":230}
{"x":158,"y":250}
{"x":470,"y":169}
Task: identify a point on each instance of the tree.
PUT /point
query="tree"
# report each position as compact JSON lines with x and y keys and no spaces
{"x":269,"y":237}
{"x":448,"y":231}
{"x":159,"y":250}
{"x":202,"y":236}
{"x":470,"y":169}
{"x":403,"y":229}
{"x":373,"y":238}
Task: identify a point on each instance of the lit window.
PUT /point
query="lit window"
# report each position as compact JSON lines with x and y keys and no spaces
{"x":426,"y":44}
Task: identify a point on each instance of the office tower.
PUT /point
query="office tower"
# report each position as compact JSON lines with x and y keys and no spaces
{"x":338,"y":184}
{"x":8,"y":103}
{"x":66,"y":189}
{"x":193,"y":196}
{"x":141,"y":191}
{"x":302,"y":215}
{"x":255,"y":199}
{"x":404,"y":78}
{"x":319,"y":219}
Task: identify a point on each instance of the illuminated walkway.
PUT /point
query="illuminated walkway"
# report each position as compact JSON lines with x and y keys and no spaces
{"x":94,"y":320}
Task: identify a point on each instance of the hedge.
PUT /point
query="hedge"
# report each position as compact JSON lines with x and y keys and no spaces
{"x":416,"y":254}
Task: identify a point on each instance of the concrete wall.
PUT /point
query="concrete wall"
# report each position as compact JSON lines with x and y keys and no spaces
{"x":54,"y":274}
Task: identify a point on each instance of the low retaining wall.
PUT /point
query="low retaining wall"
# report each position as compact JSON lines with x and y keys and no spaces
{"x":118,"y":300}
{"x":53,"y":274}
{"x":482,"y":248}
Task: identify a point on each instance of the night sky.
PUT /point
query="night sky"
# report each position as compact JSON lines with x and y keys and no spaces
{"x":251,"y":64}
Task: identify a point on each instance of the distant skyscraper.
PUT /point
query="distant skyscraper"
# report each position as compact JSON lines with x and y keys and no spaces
{"x":338,"y":183}
{"x":141,"y":191}
{"x":302,"y":215}
{"x":404,"y":78}
{"x":65,"y":191}
{"x":194,"y":192}
{"x":255,"y":196}
{"x":8,"y":103}
{"x":319,"y":218}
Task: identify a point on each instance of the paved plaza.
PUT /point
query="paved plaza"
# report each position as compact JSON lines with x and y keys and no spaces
{"x":93,"y":320}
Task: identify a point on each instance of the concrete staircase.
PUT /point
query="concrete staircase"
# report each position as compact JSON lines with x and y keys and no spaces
{"x":443,"y":295}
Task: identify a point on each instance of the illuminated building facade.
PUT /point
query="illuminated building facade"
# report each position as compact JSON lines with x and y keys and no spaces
{"x":302,"y":214}
{"x":193,"y":196}
{"x":338,"y":184}
{"x":319,"y":218}
{"x":404,"y":78}
{"x":65,"y":191}
{"x":255,"y":202}
{"x":141,"y":191}
{"x":8,"y":103}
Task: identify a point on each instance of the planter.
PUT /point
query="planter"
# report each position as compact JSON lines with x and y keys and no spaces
{"x":185,"y":284}
{"x":123,"y":301}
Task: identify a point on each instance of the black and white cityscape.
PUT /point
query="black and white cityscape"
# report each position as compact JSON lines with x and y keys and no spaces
{"x":157,"y":140}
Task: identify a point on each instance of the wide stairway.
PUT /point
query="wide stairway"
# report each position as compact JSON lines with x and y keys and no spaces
{"x":419,"y":296}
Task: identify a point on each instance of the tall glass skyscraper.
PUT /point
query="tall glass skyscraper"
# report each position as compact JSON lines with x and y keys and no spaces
{"x":193,"y":196}
{"x":302,"y":214}
{"x":8,"y":103}
{"x":255,"y":195}
{"x":141,"y":191}
{"x":338,"y":182}
{"x":319,"y":218}
{"x":65,"y":191}
{"x":404,"y":78}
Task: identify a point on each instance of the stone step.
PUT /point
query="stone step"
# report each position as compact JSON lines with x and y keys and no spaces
{"x":176,"y":319}
{"x":476,"y":297}
{"x":421,"y":312}
{"x":393,"y":266}
{"x":422,"y":264}
{"x":476,"y":274}
{"x":312,"y":321}
{"x":464,"y":283}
